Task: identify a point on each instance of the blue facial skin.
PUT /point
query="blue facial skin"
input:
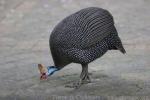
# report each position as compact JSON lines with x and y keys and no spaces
{"x":51,"y":70}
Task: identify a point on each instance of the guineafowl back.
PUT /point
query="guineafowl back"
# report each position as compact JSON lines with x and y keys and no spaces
{"x":78,"y":32}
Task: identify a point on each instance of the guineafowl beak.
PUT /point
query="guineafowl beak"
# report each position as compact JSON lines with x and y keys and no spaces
{"x":42,"y":70}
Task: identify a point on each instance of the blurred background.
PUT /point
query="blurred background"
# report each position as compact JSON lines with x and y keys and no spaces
{"x":25,"y":27}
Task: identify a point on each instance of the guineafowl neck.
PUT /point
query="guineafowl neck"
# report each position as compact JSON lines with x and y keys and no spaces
{"x":61,"y":64}
{"x":59,"y":60}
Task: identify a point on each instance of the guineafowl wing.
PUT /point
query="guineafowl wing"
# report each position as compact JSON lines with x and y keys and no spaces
{"x":83,"y":29}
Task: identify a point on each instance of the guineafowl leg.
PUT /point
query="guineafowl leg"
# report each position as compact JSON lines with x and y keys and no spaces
{"x":84,"y":78}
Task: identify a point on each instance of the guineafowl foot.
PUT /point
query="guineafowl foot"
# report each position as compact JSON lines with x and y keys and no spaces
{"x":75,"y":85}
{"x":78,"y":84}
{"x":90,"y":73}
{"x":84,"y":78}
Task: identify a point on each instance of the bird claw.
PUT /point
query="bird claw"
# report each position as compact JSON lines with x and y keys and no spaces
{"x":78,"y":84}
{"x":75,"y":85}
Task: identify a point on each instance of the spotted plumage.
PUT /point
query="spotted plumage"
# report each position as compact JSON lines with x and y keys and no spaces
{"x":83,"y":37}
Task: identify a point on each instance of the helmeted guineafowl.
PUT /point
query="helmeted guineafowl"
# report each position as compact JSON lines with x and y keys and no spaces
{"x":81,"y":38}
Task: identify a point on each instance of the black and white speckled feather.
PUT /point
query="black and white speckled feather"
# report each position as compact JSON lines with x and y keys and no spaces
{"x":84,"y":36}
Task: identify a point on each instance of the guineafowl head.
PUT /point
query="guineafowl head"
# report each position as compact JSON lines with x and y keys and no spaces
{"x":45,"y":72}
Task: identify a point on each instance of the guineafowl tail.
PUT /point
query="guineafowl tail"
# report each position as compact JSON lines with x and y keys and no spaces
{"x":114,"y":43}
{"x":120,"y":47}
{"x":122,"y":50}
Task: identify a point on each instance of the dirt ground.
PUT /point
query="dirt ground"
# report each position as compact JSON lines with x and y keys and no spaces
{"x":25,"y":26}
